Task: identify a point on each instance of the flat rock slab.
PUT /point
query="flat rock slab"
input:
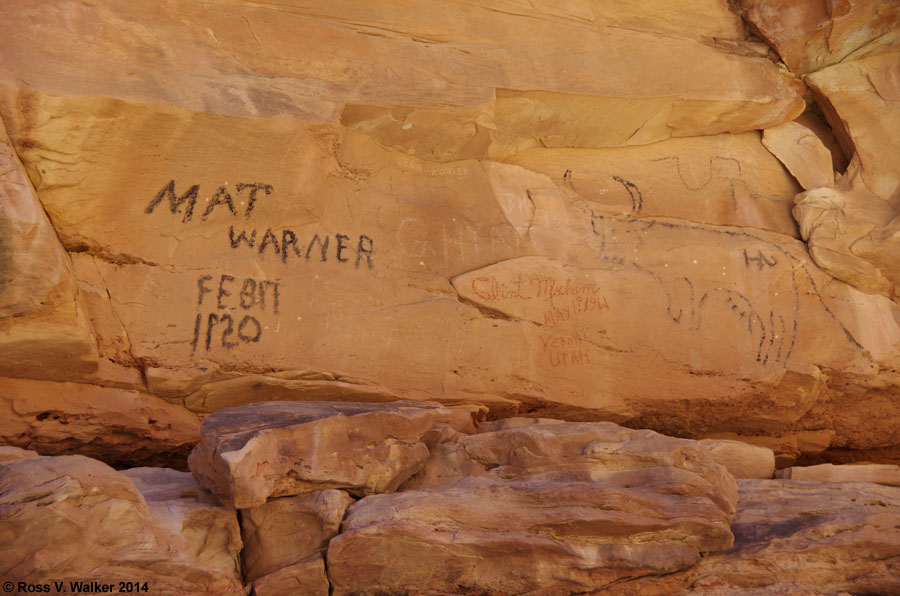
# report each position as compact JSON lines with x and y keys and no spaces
{"x":591,"y":452}
{"x":72,"y":518}
{"x":742,"y":460}
{"x":122,"y":428}
{"x":886,"y":474}
{"x":832,"y":537}
{"x":254,"y":452}
{"x":553,"y":508}
{"x":797,"y":538}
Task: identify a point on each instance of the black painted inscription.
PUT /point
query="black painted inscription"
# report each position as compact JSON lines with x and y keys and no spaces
{"x":288,"y":245}
{"x":186,"y":203}
{"x":228,"y":294}
{"x":760,"y":259}
{"x":283,"y":243}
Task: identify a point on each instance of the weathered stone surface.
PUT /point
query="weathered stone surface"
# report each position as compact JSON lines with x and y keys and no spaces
{"x":251,"y":453}
{"x":211,"y":533}
{"x":556,"y":508}
{"x":202,"y":266}
{"x":888,"y":475}
{"x":725,"y":180}
{"x":588,"y":450}
{"x":15,"y":453}
{"x":848,"y":52}
{"x":812,"y":34}
{"x":111,"y":335}
{"x":32,"y":262}
{"x":43,"y":329}
{"x":285,"y":531}
{"x":119,"y":427}
{"x":489,"y":76}
{"x":852,"y":233}
{"x":490,"y":426}
{"x":306,"y":578}
{"x":861,"y":99}
{"x":789,"y":446}
{"x":802,"y":153}
{"x":380,"y":318}
{"x":847,"y":229}
{"x":742,"y":460}
{"x":830,"y":537}
{"x":797,"y":539}
{"x":74,"y":518}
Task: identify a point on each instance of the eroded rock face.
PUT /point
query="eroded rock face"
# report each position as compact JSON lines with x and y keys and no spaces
{"x":119,"y":427}
{"x":799,"y":539}
{"x":789,"y":529}
{"x":44,"y":332}
{"x":311,"y":225}
{"x":74,"y":518}
{"x":847,"y":54}
{"x":210,"y":532}
{"x":729,"y":180}
{"x":285,"y":531}
{"x":587,"y":451}
{"x":862,"y":98}
{"x":812,"y":34}
{"x":689,"y":85}
{"x":251,"y":453}
{"x":802,"y":152}
{"x":553,"y":507}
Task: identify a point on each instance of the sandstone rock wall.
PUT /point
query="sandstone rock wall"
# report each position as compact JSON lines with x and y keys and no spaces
{"x":419,"y":284}
{"x":588,"y":210}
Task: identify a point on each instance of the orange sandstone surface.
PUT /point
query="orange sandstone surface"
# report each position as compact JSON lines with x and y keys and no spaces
{"x":443,"y":296}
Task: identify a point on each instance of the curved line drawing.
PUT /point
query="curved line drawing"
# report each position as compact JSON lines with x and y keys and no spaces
{"x":637,"y":199}
{"x":781,"y":343}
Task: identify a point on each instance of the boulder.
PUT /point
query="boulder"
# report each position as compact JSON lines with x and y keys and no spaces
{"x":119,"y":427}
{"x":285,"y":531}
{"x":211,"y":534}
{"x":828,"y":537}
{"x":251,"y":453}
{"x":797,"y":538}
{"x":742,"y":460}
{"x":553,"y":508}
{"x":886,"y":474}
{"x":72,"y":518}
{"x":787,"y":447}
{"x":848,"y":230}
{"x":587,"y":451}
